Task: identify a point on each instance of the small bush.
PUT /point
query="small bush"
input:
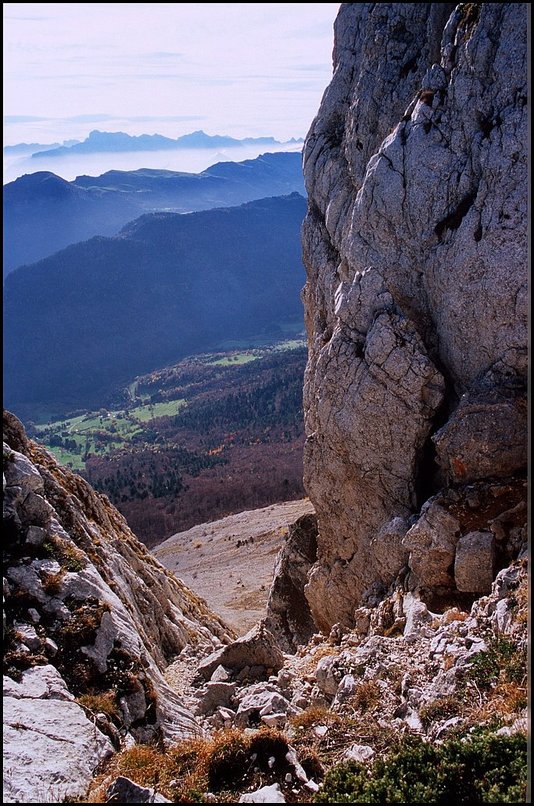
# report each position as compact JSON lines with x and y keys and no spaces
{"x":483,"y":768}
{"x":52,"y":583}
{"x":502,"y":662}
{"x":226,"y":763}
{"x":68,"y":556}
{"x":366,"y":696}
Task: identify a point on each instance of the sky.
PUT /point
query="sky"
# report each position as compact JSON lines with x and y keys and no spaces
{"x":242,"y":69}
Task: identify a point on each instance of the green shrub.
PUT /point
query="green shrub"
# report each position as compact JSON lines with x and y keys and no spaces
{"x":68,"y":556}
{"x":502,"y":660}
{"x":483,"y":768}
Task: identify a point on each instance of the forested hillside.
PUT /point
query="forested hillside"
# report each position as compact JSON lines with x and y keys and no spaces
{"x":89,"y":318}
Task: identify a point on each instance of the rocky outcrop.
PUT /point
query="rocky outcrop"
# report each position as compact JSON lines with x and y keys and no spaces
{"x":288,"y":612}
{"x":91,"y":621}
{"x":405,"y":672}
{"x":122,"y":790}
{"x":416,"y":297}
{"x":49,"y":737}
{"x":255,"y":654}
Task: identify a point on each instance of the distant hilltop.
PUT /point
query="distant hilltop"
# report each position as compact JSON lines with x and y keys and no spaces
{"x":32,"y":148}
{"x":99,"y":142}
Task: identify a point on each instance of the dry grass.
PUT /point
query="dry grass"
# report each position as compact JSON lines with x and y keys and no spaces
{"x":503,"y":700}
{"x":316,"y":715}
{"x":105,"y":703}
{"x":453,"y":614}
{"x":443,"y":708}
{"x":367,"y":696}
{"x":522,"y":602}
{"x":142,"y":764}
{"x":52,"y":583}
{"x":228,"y":762}
{"x":67,"y":554}
{"x":448,"y":661}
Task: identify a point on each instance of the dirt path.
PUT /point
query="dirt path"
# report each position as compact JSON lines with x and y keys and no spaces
{"x":230,"y":562}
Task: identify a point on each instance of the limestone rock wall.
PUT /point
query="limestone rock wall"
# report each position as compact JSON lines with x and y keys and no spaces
{"x":415,"y":247}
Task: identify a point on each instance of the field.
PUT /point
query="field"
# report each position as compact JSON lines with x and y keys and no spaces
{"x":74,"y":439}
{"x":234,"y":359}
{"x":210,"y":436}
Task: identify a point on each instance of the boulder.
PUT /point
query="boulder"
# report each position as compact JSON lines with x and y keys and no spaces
{"x":288,"y":613}
{"x":220,"y":675}
{"x":123,"y":790}
{"x":389,"y":553}
{"x":328,"y":675}
{"x":431,"y":543}
{"x":474,"y":562}
{"x":417,"y":615}
{"x":257,"y":648}
{"x":20,"y":472}
{"x":215,"y":694}
{"x":56,"y":746}
{"x":266,"y":794}
{"x":358,"y":752}
{"x":38,"y":683}
{"x":260,"y":704}
{"x":485,"y":437}
{"x":345,"y":690}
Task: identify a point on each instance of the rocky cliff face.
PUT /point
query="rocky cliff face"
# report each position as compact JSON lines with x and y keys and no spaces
{"x":91,"y":620}
{"x":415,"y":247}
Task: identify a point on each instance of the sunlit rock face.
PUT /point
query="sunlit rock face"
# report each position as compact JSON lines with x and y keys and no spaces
{"x":415,"y":246}
{"x":91,"y":621}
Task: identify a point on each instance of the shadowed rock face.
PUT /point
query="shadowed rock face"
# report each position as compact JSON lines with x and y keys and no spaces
{"x":288,"y":612}
{"x":415,"y":250}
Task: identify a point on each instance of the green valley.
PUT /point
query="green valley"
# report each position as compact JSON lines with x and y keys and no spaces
{"x":202,"y":438}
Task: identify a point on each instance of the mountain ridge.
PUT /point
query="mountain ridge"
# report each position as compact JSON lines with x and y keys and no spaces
{"x":44,"y":213}
{"x":99,"y":142}
{"x":168,"y":285}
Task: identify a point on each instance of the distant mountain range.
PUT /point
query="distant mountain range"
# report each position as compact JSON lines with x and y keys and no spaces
{"x":97,"y":313}
{"x":32,"y":148}
{"x":44,"y":213}
{"x":99,"y":142}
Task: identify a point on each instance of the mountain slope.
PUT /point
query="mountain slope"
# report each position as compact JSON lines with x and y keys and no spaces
{"x":44,"y":213}
{"x":91,"y":620}
{"x":100,"y":312}
{"x":246,"y":544}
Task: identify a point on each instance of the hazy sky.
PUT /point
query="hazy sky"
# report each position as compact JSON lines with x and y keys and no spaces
{"x":244,"y":69}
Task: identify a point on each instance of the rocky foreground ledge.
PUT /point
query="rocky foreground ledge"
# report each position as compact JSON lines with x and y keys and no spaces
{"x":121,"y":685}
